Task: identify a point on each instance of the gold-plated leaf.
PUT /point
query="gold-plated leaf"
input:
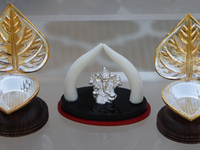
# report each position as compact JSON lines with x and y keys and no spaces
{"x":178,"y":54}
{"x":22,"y":46}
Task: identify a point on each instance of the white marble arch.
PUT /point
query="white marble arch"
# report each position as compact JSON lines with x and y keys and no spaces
{"x":70,"y":91}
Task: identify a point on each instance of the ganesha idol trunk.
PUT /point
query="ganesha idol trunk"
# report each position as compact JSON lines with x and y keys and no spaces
{"x":103,"y":103}
{"x":23,"y":48}
{"x":177,"y":58}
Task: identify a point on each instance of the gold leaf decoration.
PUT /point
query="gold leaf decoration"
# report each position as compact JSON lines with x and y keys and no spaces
{"x":22,"y":46}
{"x":178,"y":54}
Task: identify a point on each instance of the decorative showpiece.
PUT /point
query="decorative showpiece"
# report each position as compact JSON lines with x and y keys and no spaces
{"x":23,"y":48}
{"x":177,"y":57}
{"x":127,"y":67}
{"x":102,"y":104}
{"x":104,"y":84}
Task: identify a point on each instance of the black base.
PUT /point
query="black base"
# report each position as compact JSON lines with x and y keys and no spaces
{"x":85,"y":106}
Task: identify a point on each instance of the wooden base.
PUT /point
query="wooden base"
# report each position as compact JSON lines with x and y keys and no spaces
{"x":177,"y":128}
{"x":26,"y":120}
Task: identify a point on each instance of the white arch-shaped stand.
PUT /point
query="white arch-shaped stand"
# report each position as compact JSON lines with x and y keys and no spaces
{"x":127,"y":67}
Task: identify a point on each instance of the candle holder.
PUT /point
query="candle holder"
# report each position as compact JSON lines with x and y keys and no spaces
{"x":104,"y":103}
{"x":177,"y":57}
{"x":23,"y":48}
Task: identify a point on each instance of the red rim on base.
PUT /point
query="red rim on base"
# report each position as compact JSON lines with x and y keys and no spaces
{"x":106,"y":123}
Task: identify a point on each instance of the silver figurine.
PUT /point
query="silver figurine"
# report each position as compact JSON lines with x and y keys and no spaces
{"x":104,"y":84}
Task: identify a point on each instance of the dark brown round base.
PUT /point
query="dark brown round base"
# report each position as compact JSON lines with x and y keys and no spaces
{"x":26,"y":120}
{"x":177,"y":128}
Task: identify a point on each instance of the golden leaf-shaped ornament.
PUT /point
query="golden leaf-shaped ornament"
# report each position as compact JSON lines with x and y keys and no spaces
{"x":178,"y":57}
{"x":178,"y":54}
{"x":22,"y":46}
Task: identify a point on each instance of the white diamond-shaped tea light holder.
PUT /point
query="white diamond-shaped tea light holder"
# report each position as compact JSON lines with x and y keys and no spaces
{"x":16,"y":90}
{"x":183,"y":98}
